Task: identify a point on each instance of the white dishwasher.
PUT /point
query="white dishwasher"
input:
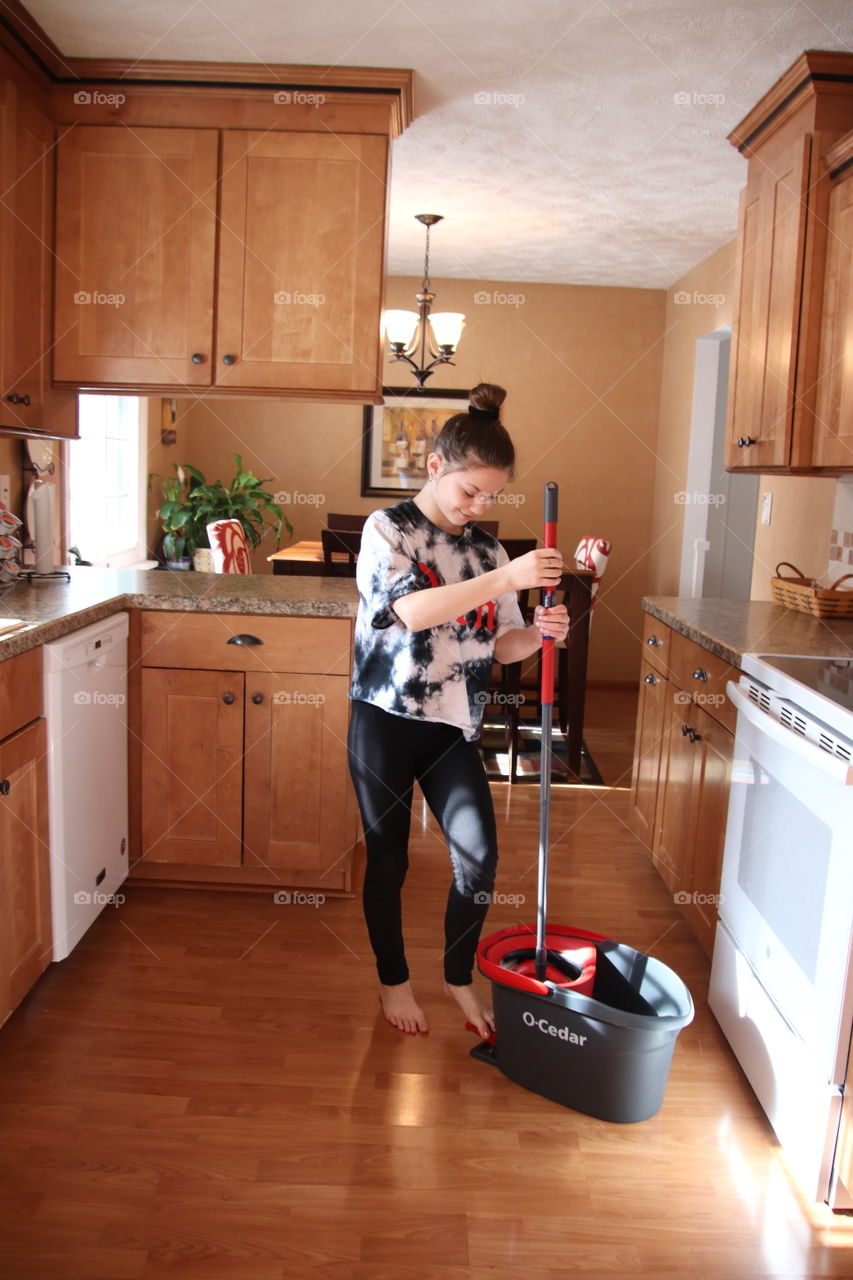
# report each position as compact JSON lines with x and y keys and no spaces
{"x":85,"y":688}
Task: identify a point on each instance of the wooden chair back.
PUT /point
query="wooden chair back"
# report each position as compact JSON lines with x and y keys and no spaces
{"x":335,"y":520}
{"x":339,"y":542}
{"x":488,"y":526}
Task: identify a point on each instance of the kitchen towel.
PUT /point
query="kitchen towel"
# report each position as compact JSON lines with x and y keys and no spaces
{"x":40,"y":499}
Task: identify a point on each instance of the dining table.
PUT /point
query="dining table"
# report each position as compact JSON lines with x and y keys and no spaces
{"x":306,"y":559}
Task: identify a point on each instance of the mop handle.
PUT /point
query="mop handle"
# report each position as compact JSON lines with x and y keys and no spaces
{"x":549,"y":597}
{"x":547,"y":699}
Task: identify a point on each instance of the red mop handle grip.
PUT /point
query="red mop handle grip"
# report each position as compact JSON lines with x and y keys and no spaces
{"x":549,"y":597}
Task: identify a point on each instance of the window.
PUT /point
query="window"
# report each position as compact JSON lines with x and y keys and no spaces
{"x":105,"y":481}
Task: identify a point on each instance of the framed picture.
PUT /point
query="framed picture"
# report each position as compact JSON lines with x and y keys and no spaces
{"x":399,"y":436}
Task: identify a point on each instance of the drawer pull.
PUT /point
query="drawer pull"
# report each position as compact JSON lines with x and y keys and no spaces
{"x":745,"y":441}
{"x":654,"y":642}
{"x":14,"y":398}
{"x":650,"y":679}
{"x":701,"y":674}
{"x":5,"y":787}
{"x":257,"y":698}
{"x":228,"y":698}
{"x":243,"y":638}
{"x":229,"y":359}
{"x":197,"y":357}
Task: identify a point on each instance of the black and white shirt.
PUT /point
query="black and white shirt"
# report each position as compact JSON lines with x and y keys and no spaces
{"x":441,"y":673}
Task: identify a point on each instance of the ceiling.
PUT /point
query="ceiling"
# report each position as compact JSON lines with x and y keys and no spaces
{"x":565,"y":141}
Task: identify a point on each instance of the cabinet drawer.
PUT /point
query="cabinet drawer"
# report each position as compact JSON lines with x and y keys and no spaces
{"x":657,"y":641}
{"x":200,"y":641}
{"x":703,"y":675}
{"x":20,"y":691}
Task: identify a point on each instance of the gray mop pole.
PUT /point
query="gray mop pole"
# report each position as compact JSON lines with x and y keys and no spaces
{"x":547,"y":701}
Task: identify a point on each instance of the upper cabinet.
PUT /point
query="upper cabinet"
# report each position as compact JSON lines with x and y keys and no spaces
{"x":790,"y":264}
{"x":232,"y":260}
{"x":833,"y":436}
{"x":29,"y":405}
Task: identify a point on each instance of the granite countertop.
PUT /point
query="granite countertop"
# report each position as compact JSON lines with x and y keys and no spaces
{"x":731,"y":628}
{"x":55,"y":607}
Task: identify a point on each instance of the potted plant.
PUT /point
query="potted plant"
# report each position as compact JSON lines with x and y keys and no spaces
{"x":191,"y":502}
{"x":245,"y":499}
{"x":176,"y":513}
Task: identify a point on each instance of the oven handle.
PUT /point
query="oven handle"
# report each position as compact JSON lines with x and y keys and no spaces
{"x":839,"y":770}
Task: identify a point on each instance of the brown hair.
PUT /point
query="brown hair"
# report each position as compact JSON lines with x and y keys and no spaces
{"x":477,"y":438}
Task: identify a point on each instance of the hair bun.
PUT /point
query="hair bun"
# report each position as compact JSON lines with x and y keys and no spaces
{"x":486,"y":398}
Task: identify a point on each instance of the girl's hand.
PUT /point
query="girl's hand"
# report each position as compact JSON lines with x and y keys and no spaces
{"x":552,"y":622}
{"x":540,"y":568}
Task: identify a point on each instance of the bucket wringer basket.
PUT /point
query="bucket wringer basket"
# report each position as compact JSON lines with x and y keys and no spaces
{"x":580,"y":1019}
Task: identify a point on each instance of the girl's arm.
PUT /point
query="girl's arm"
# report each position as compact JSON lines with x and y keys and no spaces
{"x":430,"y":608}
{"x":516,"y":645}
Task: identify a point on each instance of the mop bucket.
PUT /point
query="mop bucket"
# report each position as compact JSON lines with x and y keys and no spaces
{"x":601,"y":1042}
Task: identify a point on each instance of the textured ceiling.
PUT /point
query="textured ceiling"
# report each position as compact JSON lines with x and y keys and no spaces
{"x":565,"y":141}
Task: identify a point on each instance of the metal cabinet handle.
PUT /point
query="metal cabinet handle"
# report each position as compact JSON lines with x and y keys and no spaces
{"x":257,"y":698}
{"x":694,"y":736}
{"x":745,"y":441}
{"x":14,"y":398}
{"x":5,"y":787}
{"x":685,"y":730}
{"x":650,"y":679}
{"x":197,"y":357}
{"x":229,"y":359}
{"x":701,"y":674}
{"x":654,"y":642}
{"x":228,"y":698}
{"x":243,"y":638}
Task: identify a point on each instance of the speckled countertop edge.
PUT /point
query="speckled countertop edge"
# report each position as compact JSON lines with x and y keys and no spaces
{"x":55,"y":608}
{"x":731,"y":628}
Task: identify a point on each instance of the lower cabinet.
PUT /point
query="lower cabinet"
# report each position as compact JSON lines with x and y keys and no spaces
{"x":25,"y":925}
{"x":682,"y":764}
{"x":244,"y":776}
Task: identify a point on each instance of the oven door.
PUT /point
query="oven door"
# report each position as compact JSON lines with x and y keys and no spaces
{"x":787,"y":885}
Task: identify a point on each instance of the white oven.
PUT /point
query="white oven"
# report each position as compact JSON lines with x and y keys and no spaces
{"x":781,"y":979}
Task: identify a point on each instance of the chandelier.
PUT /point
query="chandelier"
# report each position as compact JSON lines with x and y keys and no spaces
{"x":418,"y":337}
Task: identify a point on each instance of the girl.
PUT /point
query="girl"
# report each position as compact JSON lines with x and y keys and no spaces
{"x":437,"y":604}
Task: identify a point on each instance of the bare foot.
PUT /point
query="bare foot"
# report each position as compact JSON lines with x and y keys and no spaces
{"x":475,"y":1008}
{"x":401,"y":1009}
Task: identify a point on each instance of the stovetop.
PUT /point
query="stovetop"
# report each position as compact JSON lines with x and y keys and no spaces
{"x":823,"y":687}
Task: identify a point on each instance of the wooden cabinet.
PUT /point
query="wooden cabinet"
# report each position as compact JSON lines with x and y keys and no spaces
{"x":782,"y":249}
{"x":293,"y":260}
{"x":834,"y":403}
{"x":29,"y":405}
{"x":243,"y":725}
{"x":25,"y":926}
{"x":682,"y":760}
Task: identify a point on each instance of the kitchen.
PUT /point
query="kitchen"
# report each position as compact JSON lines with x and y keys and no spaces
{"x":158,"y":1193}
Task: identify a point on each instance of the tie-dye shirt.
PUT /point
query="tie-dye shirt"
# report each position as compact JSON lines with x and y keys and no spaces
{"x":441,"y":673}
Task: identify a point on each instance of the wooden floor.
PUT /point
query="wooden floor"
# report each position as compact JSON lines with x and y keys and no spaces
{"x":205,"y":1089}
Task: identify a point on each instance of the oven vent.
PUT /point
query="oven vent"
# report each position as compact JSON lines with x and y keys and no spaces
{"x":835,"y":747}
{"x":759,"y":695}
{"x":792,"y":719}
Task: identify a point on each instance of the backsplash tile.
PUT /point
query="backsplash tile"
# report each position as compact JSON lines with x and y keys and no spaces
{"x":841,"y":538}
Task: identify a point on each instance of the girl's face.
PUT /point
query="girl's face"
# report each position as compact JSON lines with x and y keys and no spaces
{"x":464,"y":495}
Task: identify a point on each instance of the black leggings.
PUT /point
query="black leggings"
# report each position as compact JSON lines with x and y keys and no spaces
{"x":387,"y":753}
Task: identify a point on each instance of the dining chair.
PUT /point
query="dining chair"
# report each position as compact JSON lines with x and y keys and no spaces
{"x":488,"y":526}
{"x":335,"y":520}
{"x":338,"y":542}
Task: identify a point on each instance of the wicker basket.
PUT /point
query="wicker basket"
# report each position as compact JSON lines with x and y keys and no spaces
{"x":807,"y":596}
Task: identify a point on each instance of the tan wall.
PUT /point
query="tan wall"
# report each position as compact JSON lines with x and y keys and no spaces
{"x":582,"y":367}
{"x":800,"y":529}
{"x":685,"y":322}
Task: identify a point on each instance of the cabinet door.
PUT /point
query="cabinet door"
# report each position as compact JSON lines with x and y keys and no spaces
{"x":298,"y":804}
{"x":300,"y":261}
{"x":713,"y":747}
{"x":25,"y":929}
{"x":192,"y":766}
{"x":771,"y":249}
{"x":29,"y":403}
{"x":672,"y":851}
{"x":834,"y":404}
{"x":135,"y":255}
{"x":654,"y":703}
